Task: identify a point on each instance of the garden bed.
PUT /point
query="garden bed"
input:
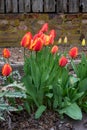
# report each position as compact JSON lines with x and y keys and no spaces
{"x":49,"y":120}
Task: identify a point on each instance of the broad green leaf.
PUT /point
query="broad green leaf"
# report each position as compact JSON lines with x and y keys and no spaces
{"x":83,"y":85}
{"x":39,"y":111}
{"x":77,"y":96}
{"x":73,"y":111}
{"x":30,"y":89}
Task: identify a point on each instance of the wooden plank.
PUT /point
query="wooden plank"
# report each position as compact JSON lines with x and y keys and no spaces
{"x":1,"y":6}
{"x":49,"y":6}
{"x":27,"y":6}
{"x":8,"y":6}
{"x":65,"y":4}
{"x":73,"y":6}
{"x":83,"y":5}
{"x":21,"y":6}
{"x":37,"y":5}
{"x":15,"y":6}
{"x":61,"y":6}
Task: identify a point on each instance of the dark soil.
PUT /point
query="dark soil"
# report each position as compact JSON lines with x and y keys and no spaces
{"x":49,"y":120}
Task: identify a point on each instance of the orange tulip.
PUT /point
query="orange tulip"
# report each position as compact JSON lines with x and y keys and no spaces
{"x":73,"y":52}
{"x":6,"y":70}
{"x":37,"y":44}
{"x":26,"y":40}
{"x":54,"y":49}
{"x":63,"y":61}
{"x":47,"y":39}
{"x":6,"y":53}
{"x":44,"y":28}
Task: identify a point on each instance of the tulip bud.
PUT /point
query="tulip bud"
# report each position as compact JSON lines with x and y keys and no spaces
{"x":73,"y":52}
{"x":6,"y":53}
{"x":44,"y":28}
{"x":6,"y":70}
{"x":65,"y":40}
{"x":54,"y":49}
{"x":26,"y":40}
{"x":63,"y":61}
{"x":83,"y":42}
{"x":60,"y":40}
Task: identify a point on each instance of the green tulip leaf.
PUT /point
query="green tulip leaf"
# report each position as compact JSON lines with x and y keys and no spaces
{"x":39,"y":111}
{"x":72,"y":111}
{"x":83,"y":85}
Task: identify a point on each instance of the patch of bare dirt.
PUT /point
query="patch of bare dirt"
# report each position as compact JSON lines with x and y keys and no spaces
{"x":48,"y":121}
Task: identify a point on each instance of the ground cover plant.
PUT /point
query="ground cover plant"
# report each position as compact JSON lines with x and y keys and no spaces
{"x":47,"y":83}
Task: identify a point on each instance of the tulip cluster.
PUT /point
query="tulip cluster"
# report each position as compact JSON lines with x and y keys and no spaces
{"x":6,"y":69}
{"x":39,"y":40}
{"x":36,"y":42}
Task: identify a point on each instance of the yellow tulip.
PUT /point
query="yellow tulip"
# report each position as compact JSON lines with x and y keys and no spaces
{"x":83,"y":42}
{"x":60,"y":40}
{"x":65,"y":40}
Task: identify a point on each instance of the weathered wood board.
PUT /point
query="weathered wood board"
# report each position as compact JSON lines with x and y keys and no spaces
{"x":83,"y":3}
{"x":62,"y":6}
{"x":21,"y":6}
{"x":11,"y":6}
{"x":55,"y":6}
{"x":73,"y":6}
{"x":2,"y":10}
{"x":49,"y":6}
{"x":37,"y":5}
{"x":27,"y":5}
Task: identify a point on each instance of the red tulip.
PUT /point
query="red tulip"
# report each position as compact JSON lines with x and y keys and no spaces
{"x":37,"y":44}
{"x":44,"y":28}
{"x":6,"y":70}
{"x":73,"y":52}
{"x":54,"y":49}
{"x":26,"y":40}
{"x":6,"y":53}
{"x":53,"y":33}
{"x":63,"y":61}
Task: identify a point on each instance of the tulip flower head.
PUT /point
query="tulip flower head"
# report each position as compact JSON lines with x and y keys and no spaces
{"x":26,"y":40}
{"x":44,"y":28}
{"x":37,"y":44}
{"x":73,"y":52}
{"x":6,"y":70}
{"x":65,"y":40}
{"x":6,"y":53}
{"x":63,"y":61}
{"x":83,"y":42}
{"x":54,"y":49}
{"x":60,"y":41}
{"x":53,"y":33}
